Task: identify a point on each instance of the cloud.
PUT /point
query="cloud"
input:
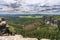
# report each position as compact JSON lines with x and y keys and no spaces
{"x":10,"y":1}
{"x":13,"y":6}
{"x":31,"y":1}
{"x":42,"y":2}
{"x":53,"y":2}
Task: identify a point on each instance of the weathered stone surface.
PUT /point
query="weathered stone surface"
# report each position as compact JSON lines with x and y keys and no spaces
{"x":16,"y":37}
{"x":44,"y":39}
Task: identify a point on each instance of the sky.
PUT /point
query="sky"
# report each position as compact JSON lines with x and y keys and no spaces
{"x":10,"y":1}
{"x":40,"y":2}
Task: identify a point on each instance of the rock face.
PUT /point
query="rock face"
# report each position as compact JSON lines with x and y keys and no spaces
{"x":44,"y":39}
{"x":16,"y":37}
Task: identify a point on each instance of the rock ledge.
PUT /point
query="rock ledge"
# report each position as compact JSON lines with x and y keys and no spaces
{"x":16,"y":37}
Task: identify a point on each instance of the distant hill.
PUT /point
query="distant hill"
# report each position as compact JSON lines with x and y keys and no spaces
{"x":17,"y":15}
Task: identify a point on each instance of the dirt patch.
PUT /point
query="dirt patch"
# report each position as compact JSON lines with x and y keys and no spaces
{"x":31,"y":26}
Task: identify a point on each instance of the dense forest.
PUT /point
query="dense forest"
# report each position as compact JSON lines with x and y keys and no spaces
{"x":36,"y":26}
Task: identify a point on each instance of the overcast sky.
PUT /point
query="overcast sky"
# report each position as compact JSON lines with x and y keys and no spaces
{"x":42,"y":2}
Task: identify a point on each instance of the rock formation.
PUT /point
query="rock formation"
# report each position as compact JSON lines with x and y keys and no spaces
{"x":16,"y":37}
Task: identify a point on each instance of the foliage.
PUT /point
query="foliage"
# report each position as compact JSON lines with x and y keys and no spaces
{"x":42,"y":31}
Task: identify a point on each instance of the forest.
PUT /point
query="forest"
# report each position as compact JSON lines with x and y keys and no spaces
{"x":36,"y":26}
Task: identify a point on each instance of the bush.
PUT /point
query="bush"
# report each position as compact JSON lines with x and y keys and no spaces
{"x":12,"y":29}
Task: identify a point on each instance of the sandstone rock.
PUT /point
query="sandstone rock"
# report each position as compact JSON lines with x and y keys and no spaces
{"x":16,"y":37}
{"x":44,"y":39}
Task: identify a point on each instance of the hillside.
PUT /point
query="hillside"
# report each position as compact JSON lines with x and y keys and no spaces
{"x":36,"y":27}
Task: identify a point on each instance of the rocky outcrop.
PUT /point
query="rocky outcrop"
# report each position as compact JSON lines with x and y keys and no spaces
{"x":44,"y":39}
{"x":16,"y":37}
